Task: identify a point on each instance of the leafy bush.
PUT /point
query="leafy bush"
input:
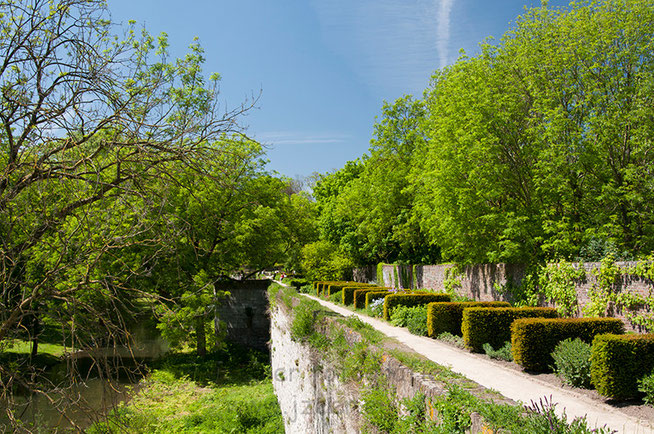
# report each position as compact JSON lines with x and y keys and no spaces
{"x":411,"y":299}
{"x":414,"y":318}
{"x":455,"y":340}
{"x":348,"y":291}
{"x":482,"y":325}
{"x":646,"y":386}
{"x":446,"y":316}
{"x":617,"y":362}
{"x":543,"y":419}
{"x":534,"y":339}
{"x":572,"y":362}
{"x":336,"y":297}
{"x":377,"y":307}
{"x":375,"y":295}
{"x":359,"y":295}
{"x":503,"y":353}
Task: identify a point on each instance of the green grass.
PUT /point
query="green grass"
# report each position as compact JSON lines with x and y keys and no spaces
{"x":18,"y":346}
{"x":228,"y":391}
{"x":166,"y":404}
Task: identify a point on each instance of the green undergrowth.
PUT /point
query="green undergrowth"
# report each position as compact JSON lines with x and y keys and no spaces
{"x":228,"y":391}
{"x":357,"y":352}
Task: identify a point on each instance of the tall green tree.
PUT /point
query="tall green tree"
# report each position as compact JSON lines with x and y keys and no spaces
{"x":90,"y":123}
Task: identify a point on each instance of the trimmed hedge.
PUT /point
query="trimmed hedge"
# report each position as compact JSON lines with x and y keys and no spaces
{"x":373,"y":295}
{"x":619,"y":361}
{"x":338,"y":286}
{"x":411,"y":299}
{"x":492,"y":325}
{"x":534,"y":339}
{"x":359,"y":295}
{"x":447,"y":316}
{"x":298,"y":282}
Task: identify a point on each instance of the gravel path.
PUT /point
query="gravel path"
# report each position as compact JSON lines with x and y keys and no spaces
{"x":513,"y":384}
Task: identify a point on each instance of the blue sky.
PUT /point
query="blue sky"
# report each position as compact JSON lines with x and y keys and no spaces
{"x":323,"y":67}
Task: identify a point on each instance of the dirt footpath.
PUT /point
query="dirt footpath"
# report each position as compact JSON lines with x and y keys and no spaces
{"x":506,"y":380}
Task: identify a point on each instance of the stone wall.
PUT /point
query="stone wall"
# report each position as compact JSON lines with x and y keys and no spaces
{"x":245,"y":312}
{"x":486,"y":282}
{"x":312,"y":397}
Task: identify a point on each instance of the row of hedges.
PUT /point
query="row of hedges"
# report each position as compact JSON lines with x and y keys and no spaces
{"x":533,"y":339}
{"x":412,"y":299}
{"x":618,"y":361}
{"x":482,"y":325}
{"x":446,"y":317}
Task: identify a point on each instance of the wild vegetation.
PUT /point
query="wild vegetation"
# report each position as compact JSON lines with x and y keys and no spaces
{"x":127,"y":192}
{"x":536,"y":149}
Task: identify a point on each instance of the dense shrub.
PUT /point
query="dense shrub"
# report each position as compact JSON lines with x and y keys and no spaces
{"x":502,"y":353}
{"x":336,"y":297}
{"x":359,"y":295}
{"x":482,"y":325}
{"x":572,"y":362}
{"x":619,"y":361}
{"x":445,"y":317}
{"x":414,"y":318}
{"x":373,"y":295}
{"x":298,"y":282}
{"x":534,"y":339}
{"x":338,"y":286}
{"x":646,"y":386}
{"x":411,"y":299}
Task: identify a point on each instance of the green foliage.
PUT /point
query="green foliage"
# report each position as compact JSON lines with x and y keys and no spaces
{"x":446,"y":317}
{"x":603,"y":291}
{"x":452,"y":280}
{"x":380,"y":274}
{"x":646,"y":387}
{"x":359,"y":295}
{"x":482,"y":325}
{"x":414,"y":318}
{"x":534,"y":339}
{"x":336,"y":297}
{"x":410,"y":299}
{"x":572,"y":362}
{"x":375,"y":295}
{"x":544,"y":419}
{"x":322,"y":260}
{"x":348,"y":292}
{"x":619,"y":361}
{"x":305,"y":316}
{"x":502,"y":353}
{"x":558,"y":284}
{"x":450,"y":338}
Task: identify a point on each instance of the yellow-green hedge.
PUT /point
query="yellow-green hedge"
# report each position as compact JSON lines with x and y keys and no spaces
{"x":359,"y":295}
{"x":373,"y":295}
{"x":411,"y":299}
{"x":492,"y":325}
{"x":534,"y":339}
{"x":619,"y":361}
{"x":447,"y":316}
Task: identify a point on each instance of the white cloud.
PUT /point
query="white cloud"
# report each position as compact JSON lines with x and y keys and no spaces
{"x":394,"y":45}
{"x":299,"y":138}
{"x":443,"y":41}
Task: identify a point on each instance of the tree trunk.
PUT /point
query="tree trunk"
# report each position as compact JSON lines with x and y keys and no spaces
{"x":35,"y":332}
{"x":200,"y":336}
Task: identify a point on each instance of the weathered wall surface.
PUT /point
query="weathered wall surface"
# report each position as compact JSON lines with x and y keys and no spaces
{"x":245,"y":312}
{"x":312,"y":397}
{"x":485,"y":282}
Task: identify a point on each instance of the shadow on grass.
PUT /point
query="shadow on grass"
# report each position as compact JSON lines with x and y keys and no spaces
{"x":231,"y":365}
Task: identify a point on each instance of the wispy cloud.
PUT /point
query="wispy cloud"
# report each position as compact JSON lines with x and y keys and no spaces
{"x":443,"y":41}
{"x":299,"y":138}
{"x":392,"y":44}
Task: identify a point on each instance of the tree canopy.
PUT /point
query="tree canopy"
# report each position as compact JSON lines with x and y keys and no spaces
{"x":538,"y":148}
